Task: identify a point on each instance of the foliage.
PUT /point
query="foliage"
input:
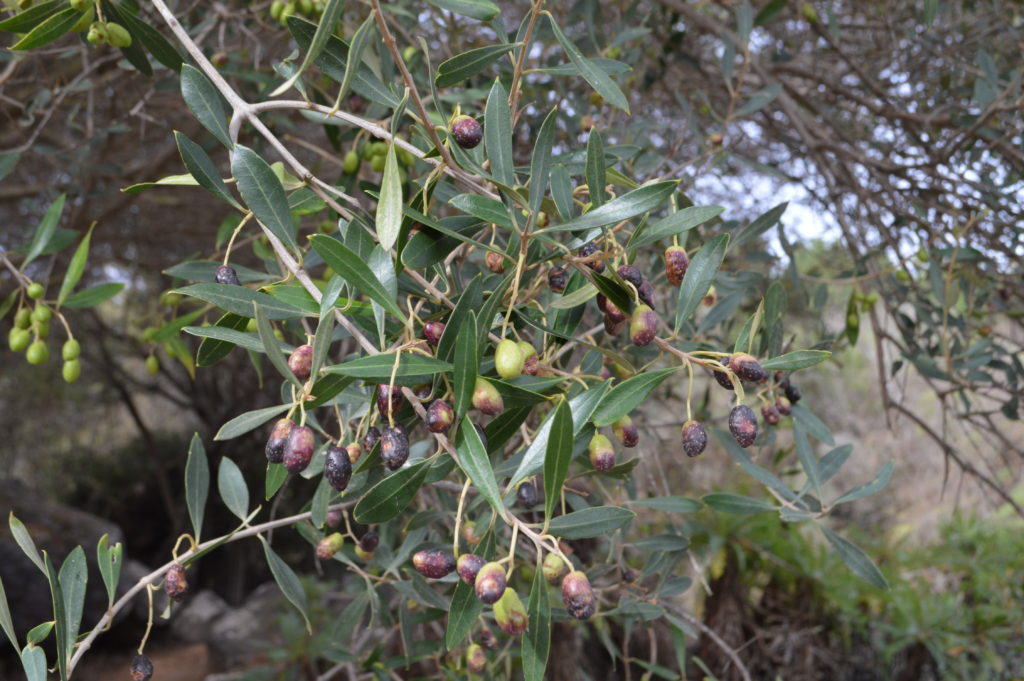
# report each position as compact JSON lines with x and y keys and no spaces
{"x":525,"y":232}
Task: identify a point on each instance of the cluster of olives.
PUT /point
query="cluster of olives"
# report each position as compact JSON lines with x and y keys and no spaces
{"x":376,"y":154}
{"x":280,"y":10}
{"x":32,"y":328}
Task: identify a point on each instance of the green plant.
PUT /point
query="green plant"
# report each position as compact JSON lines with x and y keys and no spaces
{"x":340,"y":316}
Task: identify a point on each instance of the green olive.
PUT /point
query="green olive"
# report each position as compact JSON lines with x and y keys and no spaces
{"x":118,"y":35}
{"x":42,"y":314}
{"x":84,"y":21}
{"x":23,"y":318}
{"x":351,"y":163}
{"x":72,"y":370}
{"x":35,"y":290}
{"x":37,"y":353}
{"x":97,"y":34}
{"x":43,"y":329}
{"x":377,"y":164}
{"x":251,"y":326}
{"x":19,"y":339}
{"x":148,"y":334}
{"x":152,"y":365}
{"x":276,"y":8}
{"x":71,"y":350}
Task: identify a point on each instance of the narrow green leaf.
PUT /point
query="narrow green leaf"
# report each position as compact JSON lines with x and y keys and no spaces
{"x":736,"y":503}
{"x":759,"y":100}
{"x":808,"y":461}
{"x":628,"y":395}
{"x":540,"y":165}
{"x":676,"y":223}
{"x":272,"y":345}
{"x":324,"y":29}
{"x":202,"y":169}
{"x":699,"y":276}
{"x":232,"y":488}
{"x":474,"y":461}
{"x":109,"y":562}
{"x":812,"y":424}
{"x":537,"y":642}
{"x":197,"y":483}
{"x":483,"y":10}
{"x":561,"y":191}
{"x":75,"y":268}
{"x":389,"y":206}
{"x":868,"y":488}
{"x":93,"y":296}
{"x":239,"y":300}
{"x":590,"y":522}
{"x":557,"y":456}
{"x":595,"y":170}
{"x":24,"y":540}
{"x":462,"y":614}
{"x":390,"y":496}
{"x":355,"y":54}
{"x":379,"y":367}
{"x":760,"y":225}
{"x":57,"y":598}
{"x":5,"y":618}
{"x":467,"y":363}
{"x":152,"y":40}
{"x":468,"y":64}
{"x":485,"y":208}
{"x":276,"y":475}
{"x":597,"y":78}
{"x":205,"y":102}
{"x":25,"y":21}
{"x":629,"y":205}
{"x":54,"y":27}
{"x":45,"y":230}
{"x":798,"y":359}
{"x":231,"y":337}
{"x":498,"y":135}
{"x":855,"y":558}
{"x":833,"y":461}
{"x":670,"y":504}
{"x":243,"y":423}
{"x":263,"y":193}
{"x":73,"y":577}
{"x":571,"y":300}
{"x":355,"y":271}
{"x":288,"y":582}
{"x":470,"y":300}
{"x":33,"y":661}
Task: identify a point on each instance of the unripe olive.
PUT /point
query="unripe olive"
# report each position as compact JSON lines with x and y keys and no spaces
{"x":23,"y":318}
{"x":152,"y":365}
{"x":278,"y":439}
{"x":37,"y":352}
{"x":84,"y":21}
{"x":287,"y":11}
{"x":408,"y":53}
{"x":553,"y":567}
{"x":42,"y":329}
{"x":466,"y":131}
{"x":643,"y":326}
{"x":118,"y":35}
{"x":19,"y":339}
{"x":354,"y":452}
{"x":276,"y":8}
{"x":476,"y":659}
{"x":338,"y":468}
{"x":175,"y":584}
{"x":380,"y":148}
{"x":306,"y":6}
{"x":394,"y":447}
{"x":530,"y":358}
{"x":81,"y":5}
{"x":71,"y":370}
{"x":486,"y":398}
{"x":468,"y":566}
{"x":626,"y":433}
{"x":602,"y":454}
{"x":350,"y":164}
{"x":71,"y":350}
{"x":510,"y":615}
{"x":251,"y":326}
{"x":329,"y":545}
{"x":578,"y":596}
{"x":35,"y":290}
{"x":695,"y":438}
{"x":142,"y":668}
{"x":433,"y":563}
{"x":298,"y":450}
{"x":743,"y":425}
{"x":490,"y":583}
{"x":377,"y":163}
{"x":301,"y":361}
{"x":405,"y":156}
{"x":363,"y":555}
{"x":495,"y":262}
{"x":508,"y":359}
